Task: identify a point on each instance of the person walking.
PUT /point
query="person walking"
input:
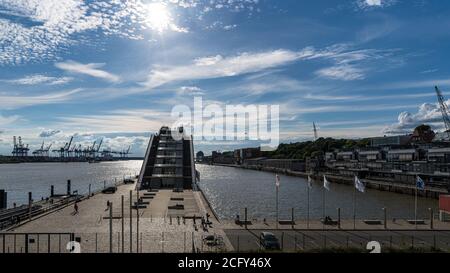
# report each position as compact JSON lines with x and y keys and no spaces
{"x":75,"y":207}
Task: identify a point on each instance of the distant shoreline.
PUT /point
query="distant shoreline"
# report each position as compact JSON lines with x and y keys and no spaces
{"x":12,"y":160}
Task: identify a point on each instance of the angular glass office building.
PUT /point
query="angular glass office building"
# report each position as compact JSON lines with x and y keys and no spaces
{"x":169,"y":161}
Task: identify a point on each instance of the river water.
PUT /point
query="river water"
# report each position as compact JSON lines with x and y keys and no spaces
{"x":19,"y":179}
{"x":229,"y":190}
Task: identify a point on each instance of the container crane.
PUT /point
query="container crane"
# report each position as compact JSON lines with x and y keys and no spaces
{"x":444,"y":111}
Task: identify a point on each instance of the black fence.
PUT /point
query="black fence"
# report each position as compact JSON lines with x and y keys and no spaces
{"x":35,"y":242}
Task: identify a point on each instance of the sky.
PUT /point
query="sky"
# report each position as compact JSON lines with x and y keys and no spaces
{"x":115,"y":69}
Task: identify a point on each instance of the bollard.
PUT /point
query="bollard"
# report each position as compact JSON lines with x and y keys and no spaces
{"x":89,"y":194}
{"x":52,"y":191}
{"x":69,"y":190}
{"x":385,"y":218}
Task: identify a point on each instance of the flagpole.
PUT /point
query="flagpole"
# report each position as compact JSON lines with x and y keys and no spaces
{"x":323,"y":205}
{"x":307,"y":213}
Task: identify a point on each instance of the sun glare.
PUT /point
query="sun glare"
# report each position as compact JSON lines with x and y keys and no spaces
{"x":158,"y":17}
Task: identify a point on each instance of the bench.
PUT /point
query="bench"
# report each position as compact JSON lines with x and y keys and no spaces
{"x":330,"y":222}
{"x":240,"y":222}
{"x":373,"y":222}
{"x":286,"y":222}
{"x":177,"y":207}
{"x":418,"y":222}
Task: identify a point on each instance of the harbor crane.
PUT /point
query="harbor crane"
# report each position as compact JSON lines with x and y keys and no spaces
{"x":19,"y":149}
{"x":444,"y":110}
{"x":46,"y":150}
{"x":64,"y":151}
{"x":39,"y":152}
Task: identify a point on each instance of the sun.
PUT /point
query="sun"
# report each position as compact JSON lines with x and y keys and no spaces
{"x":158,"y":17}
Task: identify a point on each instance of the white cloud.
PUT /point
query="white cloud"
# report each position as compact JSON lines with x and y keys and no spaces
{"x":368,"y":4}
{"x":17,"y":101}
{"x":342,"y":72}
{"x":133,"y":120}
{"x":191,"y":90}
{"x":91,"y":69}
{"x":42,"y":28}
{"x":219,"y":66}
{"x":49,"y":133}
{"x":7,"y":120}
{"x":428,"y":113}
{"x":346,"y":64}
{"x":39,"y":79}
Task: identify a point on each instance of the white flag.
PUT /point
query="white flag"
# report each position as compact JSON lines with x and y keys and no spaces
{"x":309,"y":182}
{"x":277,"y":181}
{"x":359,"y":185}
{"x":326,"y":184}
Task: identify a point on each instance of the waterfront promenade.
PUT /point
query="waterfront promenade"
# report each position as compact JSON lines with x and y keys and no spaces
{"x":157,"y":229}
{"x":164,"y":229}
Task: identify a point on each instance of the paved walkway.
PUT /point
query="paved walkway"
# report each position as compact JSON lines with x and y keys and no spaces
{"x":301,"y":240}
{"x":160,"y":230}
{"x":345,"y":224}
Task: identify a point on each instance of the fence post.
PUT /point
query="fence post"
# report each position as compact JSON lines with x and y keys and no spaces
{"x":110,"y":227}
{"x":162,"y":242}
{"x":295,"y":242}
{"x":304,"y":242}
{"x":26,"y":243}
{"x":339,"y":217}
{"x":137,"y":222}
{"x":293,"y":218}
{"x":184,"y":245}
{"x":123,"y":224}
{"x":245,"y":217}
{"x":431,"y":218}
{"x":131,"y":221}
{"x":30,"y":204}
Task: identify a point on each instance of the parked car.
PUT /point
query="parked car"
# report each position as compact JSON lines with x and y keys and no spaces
{"x":269,"y":241}
{"x":110,"y":190}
